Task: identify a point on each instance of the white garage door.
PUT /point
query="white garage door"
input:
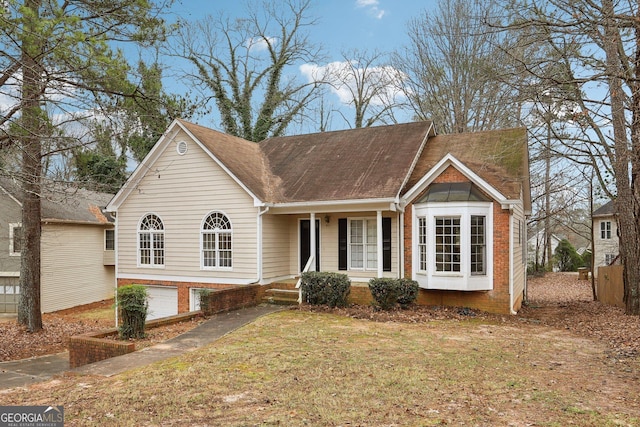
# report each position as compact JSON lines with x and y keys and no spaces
{"x":163,"y":301}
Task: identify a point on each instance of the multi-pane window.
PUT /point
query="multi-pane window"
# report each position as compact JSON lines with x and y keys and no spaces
{"x":422,"y":243}
{"x":478,"y":244}
{"x":363,"y":244}
{"x":109,"y":240}
{"x":151,"y":241}
{"x":605,"y":229}
{"x":15,"y":239}
{"x":609,"y":258}
{"x":447,"y":250}
{"x":216,"y":241}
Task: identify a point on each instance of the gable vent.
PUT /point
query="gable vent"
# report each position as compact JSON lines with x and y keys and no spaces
{"x":181,"y":147}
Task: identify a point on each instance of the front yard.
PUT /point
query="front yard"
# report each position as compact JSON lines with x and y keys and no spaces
{"x":303,"y":367}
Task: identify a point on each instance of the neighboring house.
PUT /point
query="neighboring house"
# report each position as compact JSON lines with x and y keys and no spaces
{"x":605,"y":236}
{"x":536,"y":247}
{"x":77,"y":248}
{"x":208,"y":210}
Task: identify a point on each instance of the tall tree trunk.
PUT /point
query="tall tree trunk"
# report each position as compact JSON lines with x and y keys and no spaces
{"x":29,"y":312}
{"x":626,"y":202}
{"x":547,"y":194}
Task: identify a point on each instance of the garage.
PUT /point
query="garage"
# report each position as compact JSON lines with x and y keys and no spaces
{"x":163,"y":301}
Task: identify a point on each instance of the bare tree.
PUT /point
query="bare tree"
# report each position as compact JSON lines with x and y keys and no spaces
{"x":241,"y":65}
{"x":455,"y":69}
{"x":363,"y":81}
{"x":596,"y":47}
{"x":56,"y":60}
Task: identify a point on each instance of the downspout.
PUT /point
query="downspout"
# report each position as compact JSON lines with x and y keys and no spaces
{"x":259,"y":240}
{"x":511,"y":260}
{"x":115,"y":237}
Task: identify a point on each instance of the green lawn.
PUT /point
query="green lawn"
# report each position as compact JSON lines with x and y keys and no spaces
{"x":299,"y":368}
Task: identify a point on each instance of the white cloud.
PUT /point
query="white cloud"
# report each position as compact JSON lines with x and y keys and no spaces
{"x":258,"y":44}
{"x":372,"y":7}
{"x":341,"y":76}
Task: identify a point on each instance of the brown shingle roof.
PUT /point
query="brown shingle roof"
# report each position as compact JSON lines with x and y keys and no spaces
{"x":499,"y":157}
{"x":366,"y":163}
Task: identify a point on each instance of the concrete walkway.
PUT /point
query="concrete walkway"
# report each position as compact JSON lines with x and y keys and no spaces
{"x":20,"y":373}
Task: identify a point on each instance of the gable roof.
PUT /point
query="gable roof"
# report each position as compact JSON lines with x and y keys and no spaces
{"x":375,"y":164}
{"x":65,"y":204}
{"x":498,"y":157}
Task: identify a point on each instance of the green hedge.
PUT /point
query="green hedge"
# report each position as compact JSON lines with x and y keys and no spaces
{"x":320,"y":288}
{"x":387,"y":293}
{"x":132,"y":307}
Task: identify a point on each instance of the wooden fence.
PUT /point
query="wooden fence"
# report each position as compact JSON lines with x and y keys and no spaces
{"x":610,"y":285}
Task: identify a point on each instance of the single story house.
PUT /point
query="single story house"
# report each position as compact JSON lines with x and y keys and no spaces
{"x":606,"y":243}
{"x":77,"y":248}
{"x":208,"y":210}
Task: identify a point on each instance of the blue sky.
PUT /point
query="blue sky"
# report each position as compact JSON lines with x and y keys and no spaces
{"x":342,"y":26}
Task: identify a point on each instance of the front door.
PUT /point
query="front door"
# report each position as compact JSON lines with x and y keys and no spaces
{"x":305,"y":243}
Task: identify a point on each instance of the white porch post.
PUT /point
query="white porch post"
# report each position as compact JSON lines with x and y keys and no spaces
{"x":312,"y":241}
{"x":379,"y":241}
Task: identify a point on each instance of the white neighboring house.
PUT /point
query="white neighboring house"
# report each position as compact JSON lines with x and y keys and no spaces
{"x":535,"y":247}
{"x":77,"y":248}
{"x":605,"y":236}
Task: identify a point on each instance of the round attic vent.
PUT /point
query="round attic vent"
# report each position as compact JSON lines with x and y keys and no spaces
{"x":181,"y":148}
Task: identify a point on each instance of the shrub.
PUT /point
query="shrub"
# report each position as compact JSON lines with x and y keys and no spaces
{"x":321,"y":288}
{"x":388,"y":292}
{"x":408,"y":292}
{"x":385,"y":292}
{"x":132,"y":307}
{"x":566,"y":257}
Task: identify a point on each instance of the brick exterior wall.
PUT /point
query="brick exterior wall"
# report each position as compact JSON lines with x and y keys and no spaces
{"x":494,"y":301}
{"x":222,"y":300}
{"x":94,"y":347}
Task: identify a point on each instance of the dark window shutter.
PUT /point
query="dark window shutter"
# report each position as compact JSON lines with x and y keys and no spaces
{"x":342,"y":244}
{"x":386,"y":244}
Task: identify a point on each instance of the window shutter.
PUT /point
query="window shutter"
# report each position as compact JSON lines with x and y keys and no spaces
{"x":342,"y":244}
{"x":386,"y":244}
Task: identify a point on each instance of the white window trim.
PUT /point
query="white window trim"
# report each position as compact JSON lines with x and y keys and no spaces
{"x":230,"y":231}
{"x":364,"y":267}
{"x":463,"y":280}
{"x":164,"y":243}
{"x":11,"y":246}
{"x":114,"y":239}
{"x":607,"y":231}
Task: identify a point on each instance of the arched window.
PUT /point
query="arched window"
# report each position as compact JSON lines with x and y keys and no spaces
{"x":151,"y":241}
{"x":216,"y":242}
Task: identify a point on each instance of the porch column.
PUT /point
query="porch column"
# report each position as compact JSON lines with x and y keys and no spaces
{"x":312,"y":241}
{"x":379,"y":241}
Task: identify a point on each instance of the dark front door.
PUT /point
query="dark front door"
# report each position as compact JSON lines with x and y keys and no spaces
{"x":305,"y":243}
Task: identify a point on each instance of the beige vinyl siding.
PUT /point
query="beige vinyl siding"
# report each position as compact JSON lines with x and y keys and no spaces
{"x":519,"y":241}
{"x":276,"y":245}
{"x":329,"y":243}
{"x":602,"y":247}
{"x":182,"y":190}
{"x":72,"y":267}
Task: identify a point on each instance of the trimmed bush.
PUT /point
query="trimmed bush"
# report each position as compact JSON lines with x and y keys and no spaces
{"x":407,"y":292}
{"x":385,"y":292}
{"x":320,"y":288}
{"x":388,"y":292}
{"x":132,"y":308}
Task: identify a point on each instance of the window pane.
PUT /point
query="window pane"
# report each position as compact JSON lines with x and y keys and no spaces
{"x":145,"y":248}
{"x":109,"y":240}
{"x":17,"y":239}
{"x":422,"y":243}
{"x":478,"y":246}
{"x":447,"y":245}
{"x":208,"y":249}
